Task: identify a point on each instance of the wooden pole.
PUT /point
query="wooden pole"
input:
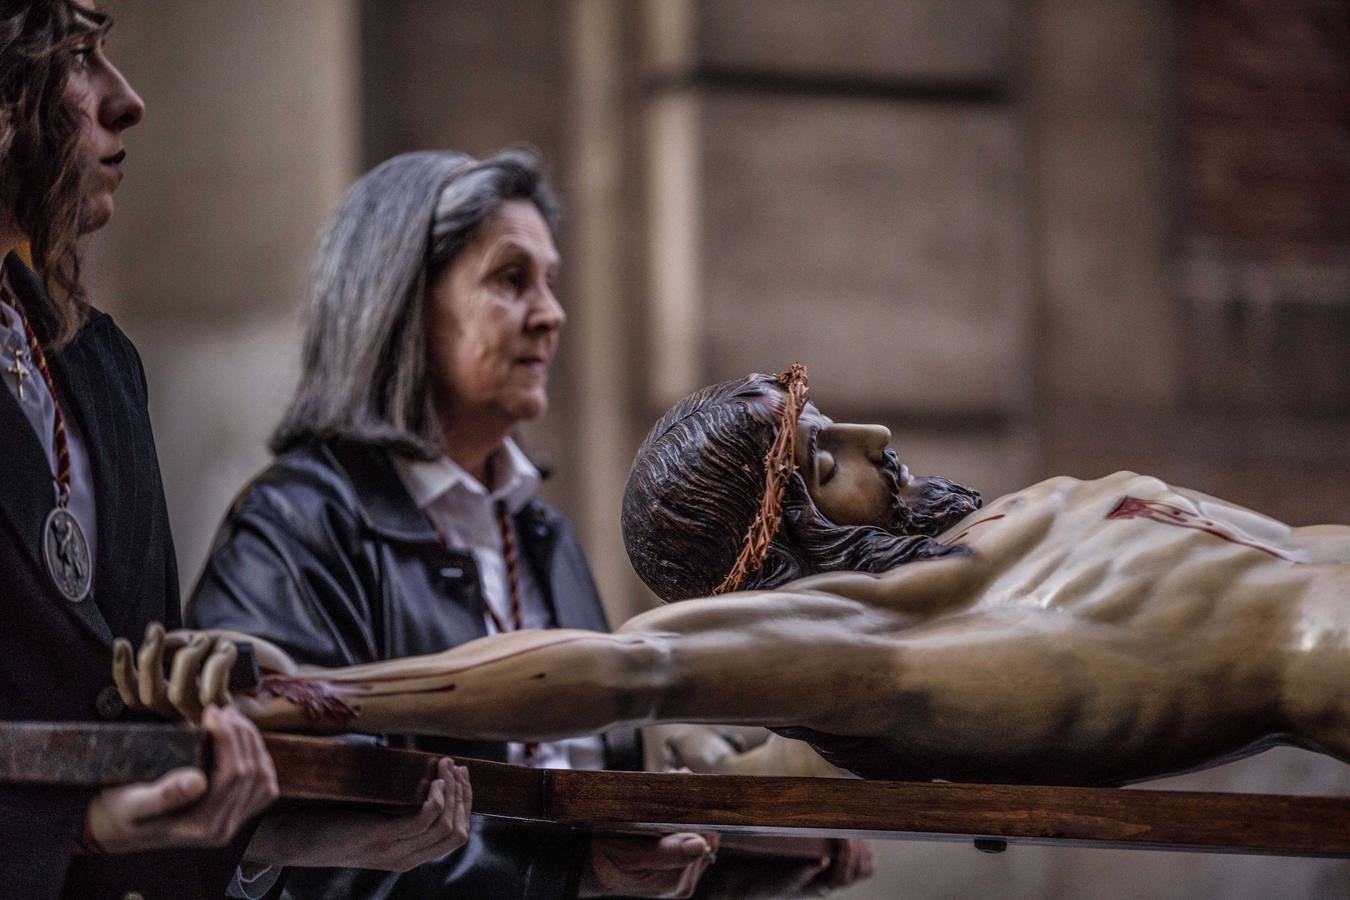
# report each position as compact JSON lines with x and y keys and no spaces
{"x":325,"y":771}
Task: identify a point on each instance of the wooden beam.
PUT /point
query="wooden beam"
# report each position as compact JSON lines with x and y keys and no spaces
{"x":325,"y":771}
{"x":1102,"y":817}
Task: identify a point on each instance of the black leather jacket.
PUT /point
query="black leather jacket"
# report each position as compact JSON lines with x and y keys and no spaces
{"x":326,"y":555}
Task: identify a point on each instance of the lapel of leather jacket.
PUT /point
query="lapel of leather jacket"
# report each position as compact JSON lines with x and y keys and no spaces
{"x":393,"y":515}
{"x":538,"y":536}
{"x":28,"y":496}
{"x":380,"y":492}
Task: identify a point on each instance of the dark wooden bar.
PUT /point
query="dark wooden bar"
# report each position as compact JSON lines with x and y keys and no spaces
{"x":1104,"y":817}
{"x":325,"y":771}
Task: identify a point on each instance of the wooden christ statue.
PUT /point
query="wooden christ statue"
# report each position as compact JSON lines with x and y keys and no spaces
{"x":1075,"y":632}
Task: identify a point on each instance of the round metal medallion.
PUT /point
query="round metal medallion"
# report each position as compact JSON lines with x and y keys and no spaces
{"x":66,"y":553}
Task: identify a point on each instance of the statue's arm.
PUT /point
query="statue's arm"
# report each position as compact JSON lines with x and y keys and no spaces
{"x":769,"y":658}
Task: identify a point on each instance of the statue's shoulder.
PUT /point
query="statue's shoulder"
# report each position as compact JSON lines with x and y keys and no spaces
{"x":1056,"y":503}
{"x":1067,"y":489}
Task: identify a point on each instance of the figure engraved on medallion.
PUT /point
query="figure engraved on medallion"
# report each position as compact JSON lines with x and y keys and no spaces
{"x":66,"y":553}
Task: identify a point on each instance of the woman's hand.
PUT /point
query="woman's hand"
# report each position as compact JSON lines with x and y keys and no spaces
{"x":669,"y":866}
{"x":371,"y":840}
{"x":850,"y":860}
{"x":182,"y":809}
{"x":761,"y":874}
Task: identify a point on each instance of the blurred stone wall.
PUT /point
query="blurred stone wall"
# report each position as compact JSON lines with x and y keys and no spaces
{"x":1002,"y":227}
{"x":1264,"y":98}
{"x":249,"y":139}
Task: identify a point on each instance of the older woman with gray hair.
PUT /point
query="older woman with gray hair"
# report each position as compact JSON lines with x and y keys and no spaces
{"x":399,"y":517}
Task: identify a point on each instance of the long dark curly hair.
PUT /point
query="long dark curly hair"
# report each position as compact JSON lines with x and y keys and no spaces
{"x":41,"y":172}
{"x":696,"y":484}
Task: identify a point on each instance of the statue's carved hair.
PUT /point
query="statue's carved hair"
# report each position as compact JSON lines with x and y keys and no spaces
{"x":41,"y":170}
{"x":695,"y":487}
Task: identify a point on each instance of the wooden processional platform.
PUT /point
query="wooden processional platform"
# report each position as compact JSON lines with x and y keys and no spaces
{"x":316,"y":770}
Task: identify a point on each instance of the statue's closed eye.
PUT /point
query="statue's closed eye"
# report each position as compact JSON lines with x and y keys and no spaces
{"x":824,"y":465}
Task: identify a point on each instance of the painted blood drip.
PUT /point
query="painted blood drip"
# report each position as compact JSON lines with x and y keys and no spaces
{"x":318,"y":699}
{"x":965,"y":531}
{"x":1167,"y":514}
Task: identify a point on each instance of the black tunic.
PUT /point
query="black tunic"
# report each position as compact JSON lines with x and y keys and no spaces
{"x":56,"y":656}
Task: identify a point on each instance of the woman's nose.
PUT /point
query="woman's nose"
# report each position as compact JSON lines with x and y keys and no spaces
{"x":121,"y":107}
{"x":546,"y":313}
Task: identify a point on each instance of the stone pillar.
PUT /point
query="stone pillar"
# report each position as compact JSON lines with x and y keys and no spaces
{"x":249,"y":140}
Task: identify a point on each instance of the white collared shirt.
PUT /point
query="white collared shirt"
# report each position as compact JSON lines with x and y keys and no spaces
{"x":464,"y":512}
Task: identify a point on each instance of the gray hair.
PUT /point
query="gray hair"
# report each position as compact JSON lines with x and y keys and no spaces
{"x":363,"y":366}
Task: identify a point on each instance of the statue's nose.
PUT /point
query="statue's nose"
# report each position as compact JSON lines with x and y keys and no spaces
{"x":874,"y":439}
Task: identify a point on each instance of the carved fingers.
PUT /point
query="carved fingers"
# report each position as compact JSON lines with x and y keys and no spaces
{"x":214,"y":686}
{"x":139,"y":675}
{"x":182,"y":690}
{"x":199,"y":676}
{"x":269,"y":656}
{"x":124,"y":673}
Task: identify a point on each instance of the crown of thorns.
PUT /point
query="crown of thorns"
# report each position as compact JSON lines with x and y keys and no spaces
{"x":779,"y":464}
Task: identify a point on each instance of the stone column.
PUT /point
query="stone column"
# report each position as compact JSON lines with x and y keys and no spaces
{"x":248,"y":141}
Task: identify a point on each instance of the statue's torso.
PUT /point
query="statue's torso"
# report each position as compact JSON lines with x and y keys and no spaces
{"x":1130,"y":548}
{"x":1151,"y":623}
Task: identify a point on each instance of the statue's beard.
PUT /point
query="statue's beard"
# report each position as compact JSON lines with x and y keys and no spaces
{"x":809,"y":543}
{"x":930,"y":505}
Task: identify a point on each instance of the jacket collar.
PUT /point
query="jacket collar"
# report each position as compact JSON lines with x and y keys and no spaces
{"x":392,"y":512}
{"x":380,"y":493}
{"x":516,"y":478}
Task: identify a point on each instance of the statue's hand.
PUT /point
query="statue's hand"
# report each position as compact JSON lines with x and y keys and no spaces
{"x":733,"y":750}
{"x":704,"y":749}
{"x":200,"y":670}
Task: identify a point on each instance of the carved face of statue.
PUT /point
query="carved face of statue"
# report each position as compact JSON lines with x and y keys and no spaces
{"x":853,"y":477}
{"x":494,"y":321}
{"x":851,"y":506}
{"x":846,"y":469}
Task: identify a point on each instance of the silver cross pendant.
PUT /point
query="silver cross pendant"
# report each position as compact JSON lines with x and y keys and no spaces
{"x":19,"y":370}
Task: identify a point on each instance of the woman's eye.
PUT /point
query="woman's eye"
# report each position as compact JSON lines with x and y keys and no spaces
{"x":514,"y":278}
{"x":79,"y":57}
{"x":824,"y":466}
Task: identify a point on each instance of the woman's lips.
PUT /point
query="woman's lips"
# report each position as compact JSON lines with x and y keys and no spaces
{"x":533,"y":363}
{"x":114,"y":161}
